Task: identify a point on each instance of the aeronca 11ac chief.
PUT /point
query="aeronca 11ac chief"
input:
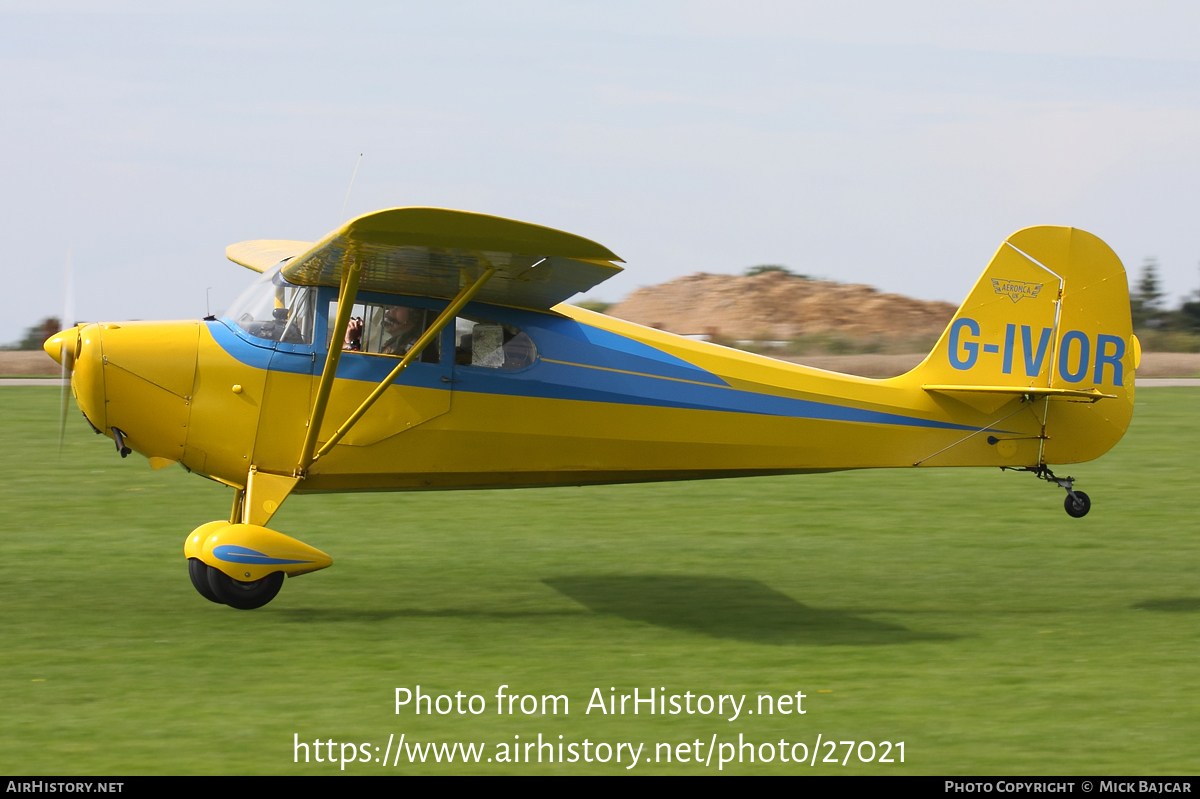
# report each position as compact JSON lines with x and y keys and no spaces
{"x":419,"y":348}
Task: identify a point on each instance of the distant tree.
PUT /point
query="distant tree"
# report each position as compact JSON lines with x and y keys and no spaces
{"x":594,"y":305}
{"x":1146,"y":302}
{"x":34,"y":336}
{"x":762,"y":268}
{"x":1189,"y":312}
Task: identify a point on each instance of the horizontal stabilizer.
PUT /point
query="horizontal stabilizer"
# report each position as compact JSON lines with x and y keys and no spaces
{"x":1053,"y":393}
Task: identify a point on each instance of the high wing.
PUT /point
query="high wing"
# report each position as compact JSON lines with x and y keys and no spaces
{"x":434,"y":252}
{"x":262,"y":254}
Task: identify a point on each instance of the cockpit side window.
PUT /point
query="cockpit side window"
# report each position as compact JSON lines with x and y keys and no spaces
{"x":301,"y":318}
{"x":275,"y":310}
{"x":387,"y":329}
{"x":483,"y":342}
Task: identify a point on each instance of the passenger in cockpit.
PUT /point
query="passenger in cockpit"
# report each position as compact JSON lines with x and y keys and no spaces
{"x":354,"y":333}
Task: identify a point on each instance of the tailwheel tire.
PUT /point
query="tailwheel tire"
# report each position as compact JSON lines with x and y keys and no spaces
{"x":198,"y":571}
{"x":244,"y":596}
{"x":1078,"y":505}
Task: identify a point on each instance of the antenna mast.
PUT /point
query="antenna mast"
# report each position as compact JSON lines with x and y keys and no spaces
{"x":342,"y":218}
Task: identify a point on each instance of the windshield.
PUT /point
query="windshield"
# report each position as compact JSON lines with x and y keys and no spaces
{"x":273,"y":309}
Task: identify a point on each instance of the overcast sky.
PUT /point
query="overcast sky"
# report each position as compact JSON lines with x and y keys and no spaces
{"x":894,"y":144}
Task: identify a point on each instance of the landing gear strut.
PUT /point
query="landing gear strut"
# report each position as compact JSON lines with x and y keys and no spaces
{"x":1077,"y":503}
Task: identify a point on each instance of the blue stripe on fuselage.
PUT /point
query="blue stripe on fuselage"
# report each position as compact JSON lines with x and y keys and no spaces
{"x":571,"y":382}
{"x":568,"y":340}
{"x":658,"y":379}
{"x":250,"y":351}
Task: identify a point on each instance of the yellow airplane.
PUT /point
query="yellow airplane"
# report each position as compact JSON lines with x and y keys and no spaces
{"x":419,"y":349}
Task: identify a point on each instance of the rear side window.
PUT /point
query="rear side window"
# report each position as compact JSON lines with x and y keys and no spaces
{"x":492,"y":345}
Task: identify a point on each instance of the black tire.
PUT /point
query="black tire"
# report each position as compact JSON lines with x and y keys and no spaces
{"x":198,"y":571}
{"x":1079,"y":505}
{"x":244,"y":596}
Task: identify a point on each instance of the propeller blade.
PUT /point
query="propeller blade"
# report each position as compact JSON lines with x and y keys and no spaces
{"x":65,"y":400}
{"x":67,"y":352}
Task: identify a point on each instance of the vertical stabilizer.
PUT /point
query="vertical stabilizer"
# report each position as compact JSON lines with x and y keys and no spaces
{"x":1051,"y":311}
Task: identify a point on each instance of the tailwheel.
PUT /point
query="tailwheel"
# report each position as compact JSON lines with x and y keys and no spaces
{"x":198,"y":571}
{"x":243,"y":595}
{"x":1078,"y":504}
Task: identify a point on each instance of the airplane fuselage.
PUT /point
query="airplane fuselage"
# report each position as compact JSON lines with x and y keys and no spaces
{"x":603,"y":401}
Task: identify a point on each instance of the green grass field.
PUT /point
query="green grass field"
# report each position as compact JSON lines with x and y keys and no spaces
{"x":959,"y":611}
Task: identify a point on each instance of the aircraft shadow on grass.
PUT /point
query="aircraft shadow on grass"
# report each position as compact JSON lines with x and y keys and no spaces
{"x":1174,"y":605}
{"x":722,"y":607}
{"x":319,"y":615}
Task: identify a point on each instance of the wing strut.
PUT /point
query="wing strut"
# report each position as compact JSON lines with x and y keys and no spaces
{"x":346,"y":295}
{"x":434,"y":330}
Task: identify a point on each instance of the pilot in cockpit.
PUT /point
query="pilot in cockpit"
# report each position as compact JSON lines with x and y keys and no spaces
{"x":389,"y":330}
{"x":400,"y":330}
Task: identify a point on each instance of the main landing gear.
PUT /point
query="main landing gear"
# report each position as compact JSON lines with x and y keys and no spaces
{"x":243,"y":565}
{"x":216,"y":586}
{"x":1077,"y":503}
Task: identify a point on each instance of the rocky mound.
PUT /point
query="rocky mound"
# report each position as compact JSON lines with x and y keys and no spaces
{"x":776,"y":306}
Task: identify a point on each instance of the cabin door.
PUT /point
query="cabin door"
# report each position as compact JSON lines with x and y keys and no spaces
{"x":287,"y":402}
{"x":381,"y":333}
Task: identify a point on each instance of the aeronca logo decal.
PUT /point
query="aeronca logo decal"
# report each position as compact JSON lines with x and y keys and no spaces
{"x":1016,"y":290}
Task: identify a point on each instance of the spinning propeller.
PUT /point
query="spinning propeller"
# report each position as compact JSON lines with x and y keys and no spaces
{"x":63,"y":348}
